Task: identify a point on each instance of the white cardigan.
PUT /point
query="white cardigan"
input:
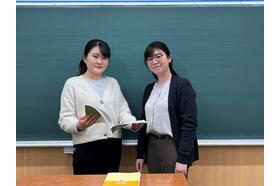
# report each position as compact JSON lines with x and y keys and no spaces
{"x":77,"y":93}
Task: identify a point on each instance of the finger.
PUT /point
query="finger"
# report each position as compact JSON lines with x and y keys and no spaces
{"x":141,"y":167}
{"x":137,"y":166}
{"x":85,"y":121}
{"x":88,"y":118}
{"x":82,"y":118}
{"x":91,"y":121}
{"x":94,"y":118}
{"x":134,"y":126}
{"x":141,"y":125}
{"x":81,"y":121}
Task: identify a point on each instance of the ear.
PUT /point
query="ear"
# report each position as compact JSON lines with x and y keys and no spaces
{"x":84,"y":59}
{"x":169,"y":58}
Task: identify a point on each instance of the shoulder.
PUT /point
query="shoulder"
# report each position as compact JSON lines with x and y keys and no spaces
{"x":75,"y":83}
{"x":112,"y":80}
{"x":72,"y":81}
{"x":71,"y":84}
{"x":177,"y":80}
{"x":149,"y":87}
{"x":182,"y":84}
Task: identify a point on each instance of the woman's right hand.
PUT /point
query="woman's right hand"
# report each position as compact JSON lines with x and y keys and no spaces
{"x":87,"y":121}
{"x":139,"y":164}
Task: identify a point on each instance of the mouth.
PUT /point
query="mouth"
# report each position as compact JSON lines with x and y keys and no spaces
{"x":98,"y":67}
{"x":156,"y":66}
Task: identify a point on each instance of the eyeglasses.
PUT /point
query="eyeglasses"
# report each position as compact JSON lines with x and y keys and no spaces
{"x":156,"y":57}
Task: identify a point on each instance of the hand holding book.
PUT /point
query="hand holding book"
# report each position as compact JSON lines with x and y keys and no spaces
{"x":90,"y":110}
{"x":138,"y":124}
{"x":134,"y":126}
{"x":87,"y":121}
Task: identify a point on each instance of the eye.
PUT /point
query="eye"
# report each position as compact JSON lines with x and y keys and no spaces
{"x":158,"y":57}
{"x":104,"y":58}
{"x":95,"y":56}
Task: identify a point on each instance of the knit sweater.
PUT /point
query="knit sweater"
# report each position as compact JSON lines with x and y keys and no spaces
{"x":77,"y":93}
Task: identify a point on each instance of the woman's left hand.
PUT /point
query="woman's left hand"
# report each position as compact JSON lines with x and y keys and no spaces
{"x":181,"y":168}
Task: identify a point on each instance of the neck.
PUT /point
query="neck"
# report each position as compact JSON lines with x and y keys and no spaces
{"x":164,"y":77}
{"x":92,"y":76}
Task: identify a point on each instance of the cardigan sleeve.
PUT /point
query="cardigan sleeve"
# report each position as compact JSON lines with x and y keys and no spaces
{"x":125,"y":115}
{"x":188,"y":122}
{"x":67,"y":116}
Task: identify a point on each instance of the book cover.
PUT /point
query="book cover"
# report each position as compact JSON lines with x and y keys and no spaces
{"x":122,"y":179}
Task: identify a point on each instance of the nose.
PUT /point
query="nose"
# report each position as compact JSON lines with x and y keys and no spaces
{"x":99,"y":60}
{"x":154,"y":61}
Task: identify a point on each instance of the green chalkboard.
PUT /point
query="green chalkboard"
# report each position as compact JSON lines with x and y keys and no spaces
{"x":219,"y":49}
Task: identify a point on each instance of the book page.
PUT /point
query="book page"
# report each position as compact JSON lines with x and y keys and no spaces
{"x":118,"y":126}
{"x":94,"y":110}
{"x":114,"y":127}
{"x":91,"y":110}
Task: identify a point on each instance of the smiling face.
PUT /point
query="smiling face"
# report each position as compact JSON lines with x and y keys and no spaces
{"x":96,"y":62}
{"x":158,"y":63}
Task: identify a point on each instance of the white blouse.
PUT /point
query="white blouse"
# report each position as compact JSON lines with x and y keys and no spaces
{"x":156,"y":110}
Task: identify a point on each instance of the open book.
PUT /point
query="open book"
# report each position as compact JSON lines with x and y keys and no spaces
{"x":114,"y":127}
{"x":122,"y":179}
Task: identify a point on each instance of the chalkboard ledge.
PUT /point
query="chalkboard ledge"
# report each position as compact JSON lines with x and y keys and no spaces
{"x":201,"y":142}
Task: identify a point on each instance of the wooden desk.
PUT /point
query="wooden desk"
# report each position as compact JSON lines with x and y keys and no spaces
{"x":97,"y":180}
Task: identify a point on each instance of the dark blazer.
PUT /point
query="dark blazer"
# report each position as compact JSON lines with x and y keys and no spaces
{"x":183,"y":118}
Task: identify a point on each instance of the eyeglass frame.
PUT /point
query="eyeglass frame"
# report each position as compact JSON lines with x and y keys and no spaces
{"x":157,"y":57}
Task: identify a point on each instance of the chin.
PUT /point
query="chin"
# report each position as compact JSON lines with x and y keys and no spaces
{"x":156,"y":71}
{"x":98,"y":71}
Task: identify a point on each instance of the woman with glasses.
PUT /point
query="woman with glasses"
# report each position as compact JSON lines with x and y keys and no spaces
{"x":168,"y":142}
{"x":97,"y":150}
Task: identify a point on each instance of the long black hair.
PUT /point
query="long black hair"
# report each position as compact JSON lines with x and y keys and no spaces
{"x":103,"y":47}
{"x":149,"y":52}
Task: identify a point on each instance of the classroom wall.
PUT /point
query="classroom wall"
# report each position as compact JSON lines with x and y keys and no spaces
{"x":218,"y":165}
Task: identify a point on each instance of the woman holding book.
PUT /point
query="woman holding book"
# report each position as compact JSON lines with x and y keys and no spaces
{"x":168,"y":142}
{"x":97,"y":150}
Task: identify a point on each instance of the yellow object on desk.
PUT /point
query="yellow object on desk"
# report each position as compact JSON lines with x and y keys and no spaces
{"x":122,"y":179}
